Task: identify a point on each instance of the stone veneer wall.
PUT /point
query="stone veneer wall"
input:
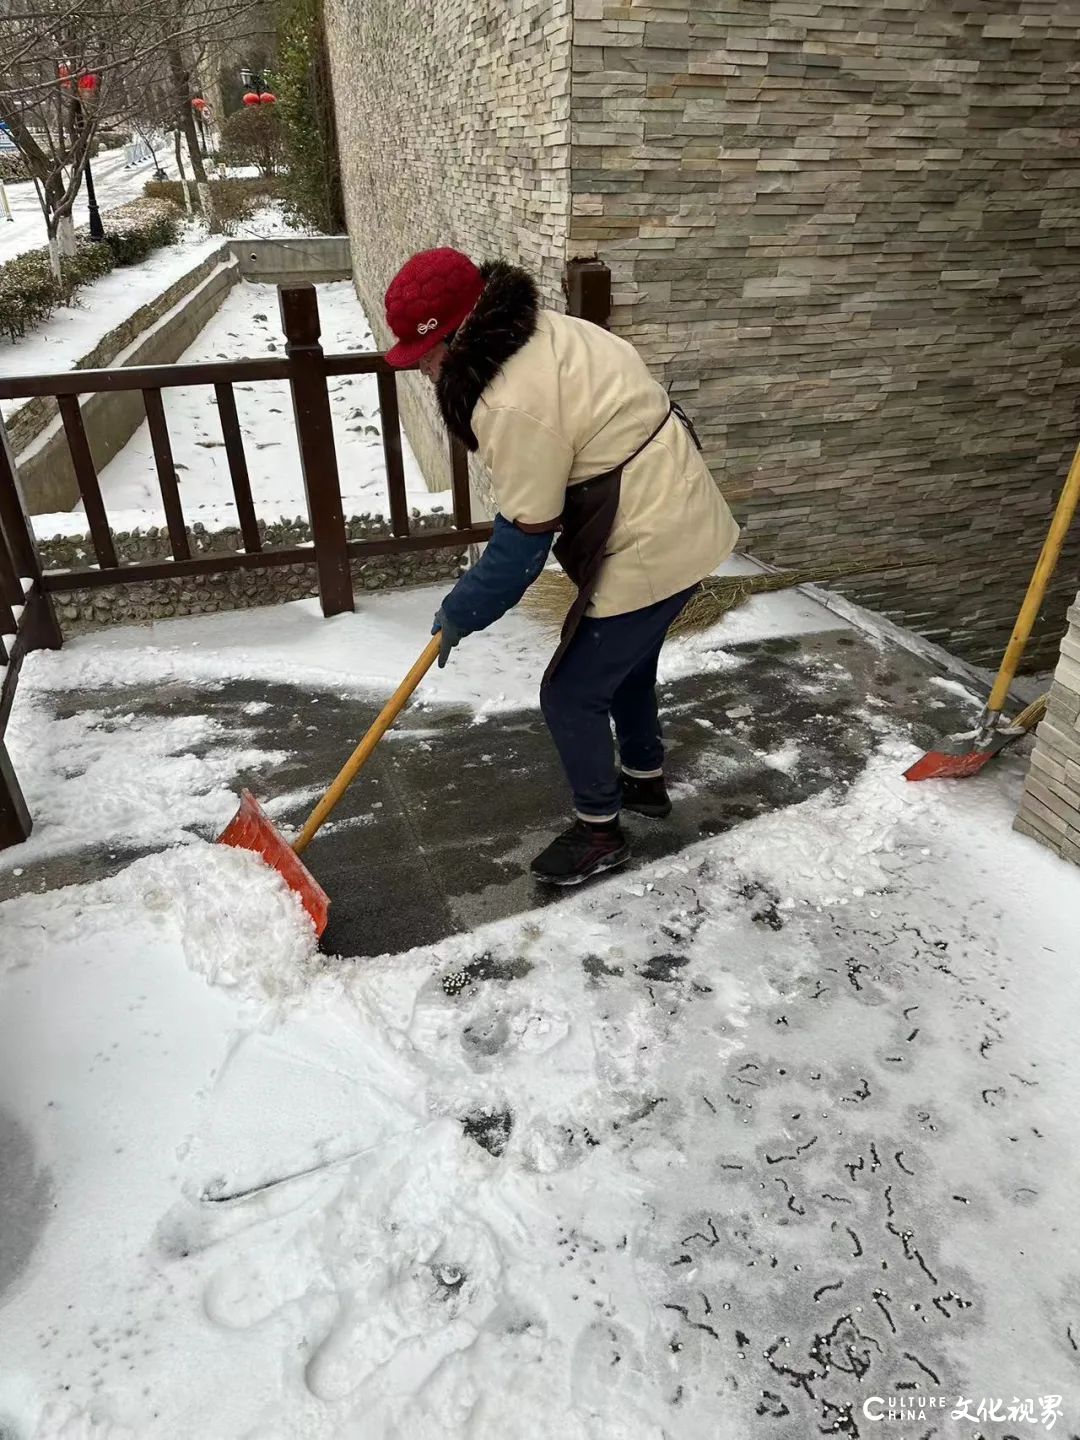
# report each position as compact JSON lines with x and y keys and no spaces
{"x":848,"y":234}
{"x":82,"y":610}
{"x":454,"y":129}
{"x":1050,"y":809}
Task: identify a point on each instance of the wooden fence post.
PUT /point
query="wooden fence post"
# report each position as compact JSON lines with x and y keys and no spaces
{"x":37,"y":628}
{"x":588,"y":291}
{"x":318,"y":456}
{"x":17,"y":535}
{"x":15,"y":822}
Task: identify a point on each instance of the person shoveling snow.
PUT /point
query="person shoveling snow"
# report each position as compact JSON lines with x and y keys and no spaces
{"x":578,"y":438}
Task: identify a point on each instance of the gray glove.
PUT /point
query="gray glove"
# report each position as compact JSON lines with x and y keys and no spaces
{"x":449,"y":636}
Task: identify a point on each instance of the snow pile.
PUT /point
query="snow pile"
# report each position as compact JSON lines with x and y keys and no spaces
{"x":234,"y":919}
{"x":239,"y":925}
{"x":125,"y":780}
{"x":823,"y":860}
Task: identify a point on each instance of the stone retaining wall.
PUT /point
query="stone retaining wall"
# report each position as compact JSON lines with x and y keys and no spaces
{"x":82,"y":610}
{"x":111,"y":417}
{"x":29,"y":418}
{"x":1050,"y":809}
{"x":157,"y":333}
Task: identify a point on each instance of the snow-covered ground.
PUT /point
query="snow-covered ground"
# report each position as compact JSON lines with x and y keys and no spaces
{"x":113,"y":184}
{"x":608,"y":1171}
{"x":248,"y":326}
{"x":85,"y":781}
{"x":73,"y":330}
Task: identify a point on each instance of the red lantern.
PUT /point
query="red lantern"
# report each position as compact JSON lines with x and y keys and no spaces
{"x":251,"y":98}
{"x":267,"y":99}
{"x":87,"y":84}
{"x":199,"y":104}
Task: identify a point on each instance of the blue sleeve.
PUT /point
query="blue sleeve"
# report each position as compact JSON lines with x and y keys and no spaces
{"x":509,"y":565}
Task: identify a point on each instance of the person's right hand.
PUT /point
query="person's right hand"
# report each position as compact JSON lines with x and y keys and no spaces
{"x":448,"y":634}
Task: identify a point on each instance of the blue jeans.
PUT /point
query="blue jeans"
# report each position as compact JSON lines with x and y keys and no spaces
{"x":609,"y":674}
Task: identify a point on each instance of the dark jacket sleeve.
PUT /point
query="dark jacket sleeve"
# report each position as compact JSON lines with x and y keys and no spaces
{"x":509,"y":565}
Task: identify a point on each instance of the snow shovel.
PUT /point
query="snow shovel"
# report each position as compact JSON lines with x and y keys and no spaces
{"x":252,"y":829}
{"x":994,"y":731}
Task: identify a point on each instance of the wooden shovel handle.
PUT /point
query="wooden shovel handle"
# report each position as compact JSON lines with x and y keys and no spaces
{"x":1044,"y":568}
{"x":356,"y":761}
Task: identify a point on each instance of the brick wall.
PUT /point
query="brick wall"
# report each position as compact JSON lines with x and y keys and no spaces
{"x":1050,"y":809}
{"x":454,"y":129}
{"x":849,"y":234}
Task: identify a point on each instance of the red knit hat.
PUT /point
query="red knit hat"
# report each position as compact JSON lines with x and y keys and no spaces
{"x":428,"y":298}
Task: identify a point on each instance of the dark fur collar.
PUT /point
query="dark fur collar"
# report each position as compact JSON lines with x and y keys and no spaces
{"x":502,"y":321}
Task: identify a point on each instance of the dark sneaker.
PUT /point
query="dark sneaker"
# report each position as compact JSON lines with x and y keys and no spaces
{"x":583,"y":850}
{"x":646,"y":797}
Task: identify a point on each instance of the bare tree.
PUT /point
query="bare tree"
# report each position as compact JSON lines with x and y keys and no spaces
{"x":54,"y":120}
{"x":66,"y":68}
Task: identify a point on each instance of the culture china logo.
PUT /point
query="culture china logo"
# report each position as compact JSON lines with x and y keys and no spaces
{"x":1043,"y":1410}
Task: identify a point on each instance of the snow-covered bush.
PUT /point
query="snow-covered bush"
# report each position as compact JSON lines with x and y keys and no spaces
{"x":132,"y":231}
{"x":29,"y":292}
{"x":253,"y":137}
{"x":232,"y":200}
{"x":13,"y":168}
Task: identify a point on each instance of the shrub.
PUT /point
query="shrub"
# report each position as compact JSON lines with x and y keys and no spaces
{"x":132,"y":231}
{"x":252,"y":136}
{"x":29,"y":292}
{"x":90,"y":262}
{"x":230,"y":197}
{"x":170,"y":190}
{"x":13,"y":168}
{"x":312,"y":183}
{"x":233,"y":202}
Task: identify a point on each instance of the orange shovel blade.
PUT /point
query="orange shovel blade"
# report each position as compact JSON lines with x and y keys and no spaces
{"x":937,"y":765}
{"x":941,"y":765}
{"x":252,"y":829}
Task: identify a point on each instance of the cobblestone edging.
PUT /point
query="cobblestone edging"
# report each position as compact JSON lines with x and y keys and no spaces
{"x":84,"y":610}
{"x":1050,"y":809}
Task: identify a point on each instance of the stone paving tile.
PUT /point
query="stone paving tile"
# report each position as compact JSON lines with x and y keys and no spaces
{"x":437,"y":833}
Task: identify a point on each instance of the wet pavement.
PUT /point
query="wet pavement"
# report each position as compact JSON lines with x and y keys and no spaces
{"x":436,"y":834}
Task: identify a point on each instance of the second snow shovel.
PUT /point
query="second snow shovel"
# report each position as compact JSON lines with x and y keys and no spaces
{"x":252,"y":829}
{"x":995,"y":732}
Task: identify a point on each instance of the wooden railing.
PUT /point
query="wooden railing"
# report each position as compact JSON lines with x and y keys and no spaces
{"x":27,"y":616}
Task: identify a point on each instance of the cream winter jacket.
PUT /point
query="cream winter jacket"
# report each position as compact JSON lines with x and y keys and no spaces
{"x":550,"y":401}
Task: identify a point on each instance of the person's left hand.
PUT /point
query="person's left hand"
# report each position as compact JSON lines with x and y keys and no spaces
{"x":448,"y":634}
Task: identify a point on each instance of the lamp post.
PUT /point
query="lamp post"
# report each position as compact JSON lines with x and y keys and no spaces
{"x":85,"y":92}
{"x":201,"y":107}
{"x":257,"y":92}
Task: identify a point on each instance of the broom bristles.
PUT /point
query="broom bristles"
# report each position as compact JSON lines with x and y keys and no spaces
{"x":551,"y":596}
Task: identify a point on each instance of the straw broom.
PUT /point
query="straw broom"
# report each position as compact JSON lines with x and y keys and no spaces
{"x":550,"y":597}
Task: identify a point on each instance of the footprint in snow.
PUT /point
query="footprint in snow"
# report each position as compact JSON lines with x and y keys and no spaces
{"x":605,"y":1356}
